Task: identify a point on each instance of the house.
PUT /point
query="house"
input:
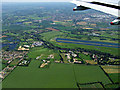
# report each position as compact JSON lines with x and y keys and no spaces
{"x":74,"y":55}
{"x":38,"y":57}
{"x":37,"y":43}
{"x":26,"y":46}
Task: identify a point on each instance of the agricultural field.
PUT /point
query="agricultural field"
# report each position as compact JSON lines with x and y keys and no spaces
{"x":94,"y":85}
{"x":59,"y":48}
{"x":113,"y":73}
{"x":89,"y":74}
{"x":115,"y":77}
{"x":111,"y":69}
{"x":91,"y":62}
{"x":57,"y":75}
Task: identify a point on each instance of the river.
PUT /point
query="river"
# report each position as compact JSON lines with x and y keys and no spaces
{"x":85,"y":42}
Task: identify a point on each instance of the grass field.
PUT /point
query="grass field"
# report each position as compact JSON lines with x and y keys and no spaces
{"x":51,"y":35}
{"x":43,"y":52}
{"x":56,"y":76}
{"x":85,"y":57}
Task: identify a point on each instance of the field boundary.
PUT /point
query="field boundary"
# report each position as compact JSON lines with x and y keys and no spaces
{"x":78,"y":84}
{"x":107,"y":75}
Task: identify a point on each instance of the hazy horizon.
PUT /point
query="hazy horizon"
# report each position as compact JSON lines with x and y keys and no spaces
{"x":36,"y":0}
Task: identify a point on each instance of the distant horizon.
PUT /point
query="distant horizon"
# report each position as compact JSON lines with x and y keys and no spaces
{"x":36,"y":0}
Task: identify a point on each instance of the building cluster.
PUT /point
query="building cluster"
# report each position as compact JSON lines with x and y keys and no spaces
{"x":37,"y":43}
{"x":27,"y":47}
{"x":7,"y":58}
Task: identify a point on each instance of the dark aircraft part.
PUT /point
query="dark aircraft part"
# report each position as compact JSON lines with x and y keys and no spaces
{"x":116,"y":21}
{"x":78,"y":8}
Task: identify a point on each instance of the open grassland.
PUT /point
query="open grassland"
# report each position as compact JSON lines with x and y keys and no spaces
{"x":57,"y":75}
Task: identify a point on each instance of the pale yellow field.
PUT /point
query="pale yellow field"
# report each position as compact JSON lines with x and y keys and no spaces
{"x":111,"y":69}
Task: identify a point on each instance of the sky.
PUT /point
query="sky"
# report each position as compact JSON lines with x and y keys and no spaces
{"x":36,"y":0}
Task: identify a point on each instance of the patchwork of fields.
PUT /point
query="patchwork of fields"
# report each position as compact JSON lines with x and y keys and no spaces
{"x":57,"y":76}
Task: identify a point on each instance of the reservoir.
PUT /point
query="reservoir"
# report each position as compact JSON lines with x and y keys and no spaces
{"x":85,"y":42}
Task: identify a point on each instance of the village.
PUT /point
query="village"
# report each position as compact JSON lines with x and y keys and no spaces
{"x":12,"y":59}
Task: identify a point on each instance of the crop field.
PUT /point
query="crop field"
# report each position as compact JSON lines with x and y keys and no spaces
{"x":88,"y":74}
{"x":111,"y":69}
{"x":115,"y":77}
{"x":57,"y":75}
{"x":91,"y":62}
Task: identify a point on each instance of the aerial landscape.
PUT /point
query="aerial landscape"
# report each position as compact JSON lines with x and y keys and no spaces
{"x":47,"y":45}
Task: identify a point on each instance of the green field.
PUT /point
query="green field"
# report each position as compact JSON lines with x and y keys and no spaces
{"x":51,"y":35}
{"x":56,"y":76}
{"x":88,"y":74}
{"x":115,"y":77}
{"x":43,"y":52}
{"x":85,"y":57}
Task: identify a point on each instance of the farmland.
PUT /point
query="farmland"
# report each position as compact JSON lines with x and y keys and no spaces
{"x":33,"y":57}
{"x":57,"y":75}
